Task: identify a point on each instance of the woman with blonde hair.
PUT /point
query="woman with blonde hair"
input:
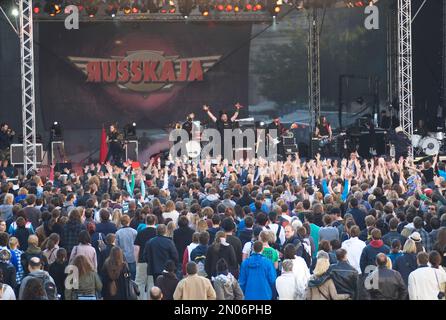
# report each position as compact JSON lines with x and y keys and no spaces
{"x":321,"y":286}
{"x":170,"y":212}
{"x":116,"y":218}
{"x":171,"y":226}
{"x":201,"y":226}
{"x":6,"y":207}
{"x":407,"y":263}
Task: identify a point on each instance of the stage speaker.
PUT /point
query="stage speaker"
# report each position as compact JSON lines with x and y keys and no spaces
{"x":57,"y":152}
{"x":131,"y":150}
{"x":16,"y":151}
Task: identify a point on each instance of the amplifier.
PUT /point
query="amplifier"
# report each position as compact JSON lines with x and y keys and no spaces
{"x":17,"y":153}
{"x":131,"y":150}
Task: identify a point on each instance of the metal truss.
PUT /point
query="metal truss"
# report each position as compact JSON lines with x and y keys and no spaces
{"x":314,"y":76}
{"x":27,"y":73}
{"x":405,"y":68}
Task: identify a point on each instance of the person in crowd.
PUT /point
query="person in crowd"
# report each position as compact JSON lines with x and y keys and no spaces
{"x":300,"y":270}
{"x":6,"y":291}
{"x":36,"y":273}
{"x":354,"y":248}
{"x":84,"y":248}
{"x":393,"y":234}
{"x":215,"y":220}
{"x":105,"y":226}
{"x":182,"y":236}
{"x":142,"y":237}
{"x":198,"y":254}
{"x":225,"y":284}
{"x":407,"y":262}
{"x":320,"y":285}
{"x":193,"y":286}
{"x":51,"y":247}
{"x":427,"y":283}
{"x":369,"y":253}
{"x":125,"y":238}
{"x":286,"y":285}
{"x":440,"y":245}
{"x":156,"y":294}
{"x":31,"y":212}
{"x":34,"y":290}
{"x":229,"y":227}
{"x":158,"y":251}
{"x":384,"y":283}
{"x":186,"y":255}
{"x":395,"y":251}
{"x":220,"y":249}
{"x":89,"y":284}
{"x":71,"y":231}
{"x":13,"y":247}
{"x":167,"y":281}
{"x":113,"y":275}
{"x":57,"y":271}
{"x":257,"y":275}
{"x":344,"y":276}
{"x":7,"y":269}
{"x":33,"y":250}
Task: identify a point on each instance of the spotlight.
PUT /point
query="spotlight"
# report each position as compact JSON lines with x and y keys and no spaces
{"x":273,"y":7}
{"x":36,"y":8}
{"x":237,"y":7}
{"x":127,"y":9}
{"x":220,"y":7}
{"x":91,"y":11}
{"x":204,"y":8}
{"x":135,"y":8}
{"x":15,"y":12}
{"x":248,"y":7}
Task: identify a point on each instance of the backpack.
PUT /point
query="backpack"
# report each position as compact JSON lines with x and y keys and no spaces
{"x":200,"y":261}
{"x":305,"y":252}
{"x":48,"y":285}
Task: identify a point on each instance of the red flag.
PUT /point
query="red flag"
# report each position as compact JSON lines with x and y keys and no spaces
{"x":104,"y":148}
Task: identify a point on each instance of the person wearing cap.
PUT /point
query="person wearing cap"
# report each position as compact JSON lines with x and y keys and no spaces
{"x":369,"y":253}
{"x":384,"y":283}
{"x":321,"y":286}
{"x":407,"y":263}
{"x":426,"y":283}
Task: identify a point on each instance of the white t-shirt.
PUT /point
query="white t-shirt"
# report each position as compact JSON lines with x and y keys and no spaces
{"x":6,"y":293}
{"x":171,"y":215}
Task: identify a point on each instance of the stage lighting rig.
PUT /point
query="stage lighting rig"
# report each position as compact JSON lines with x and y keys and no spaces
{"x":130,"y":131}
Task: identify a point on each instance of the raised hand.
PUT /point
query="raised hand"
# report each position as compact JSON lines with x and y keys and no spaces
{"x":205,"y":108}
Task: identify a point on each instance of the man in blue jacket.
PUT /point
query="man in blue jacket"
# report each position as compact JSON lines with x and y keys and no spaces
{"x":257,"y":276}
{"x":158,"y":251}
{"x":369,"y":253}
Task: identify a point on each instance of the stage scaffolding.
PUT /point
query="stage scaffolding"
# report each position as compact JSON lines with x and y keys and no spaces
{"x":405,"y":87}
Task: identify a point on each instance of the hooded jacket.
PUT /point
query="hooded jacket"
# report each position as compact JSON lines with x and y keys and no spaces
{"x":257,"y":278}
{"x":370,"y":252}
{"x":227,"y":288}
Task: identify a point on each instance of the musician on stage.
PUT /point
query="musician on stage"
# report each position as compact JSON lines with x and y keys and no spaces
{"x":323,"y":128}
{"x":189,"y":125}
{"x":115,"y":149}
{"x":280,"y":131}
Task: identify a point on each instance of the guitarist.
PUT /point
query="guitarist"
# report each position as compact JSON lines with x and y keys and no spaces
{"x":323,"y":130}
{"x":281,"y":130}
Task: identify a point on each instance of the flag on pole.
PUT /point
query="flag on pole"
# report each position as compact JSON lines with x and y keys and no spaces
{"x":104,"y":149}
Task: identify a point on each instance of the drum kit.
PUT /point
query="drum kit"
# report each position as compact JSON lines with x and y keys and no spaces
{"x":430,"y":144}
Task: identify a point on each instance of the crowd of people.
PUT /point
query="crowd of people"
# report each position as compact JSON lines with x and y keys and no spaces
{"x":317,"y":229}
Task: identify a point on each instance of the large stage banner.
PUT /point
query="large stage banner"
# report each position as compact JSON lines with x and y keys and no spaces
{"x":150,"y":73}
